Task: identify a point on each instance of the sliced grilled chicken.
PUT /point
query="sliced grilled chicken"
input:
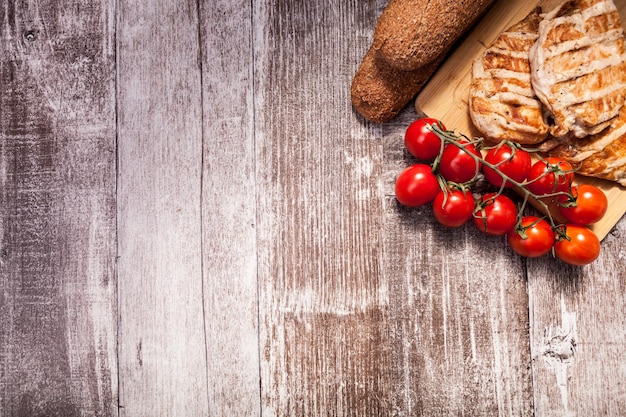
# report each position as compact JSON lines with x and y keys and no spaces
{"x":578,"y":66}
{"x":502,"y":103}
{"x":602,"y":155}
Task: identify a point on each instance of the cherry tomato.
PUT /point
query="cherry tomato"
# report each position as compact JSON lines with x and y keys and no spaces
{"x":510,"y":160}
{"x":457,"y":165}
{"x":582,"y":247}
{"x":416,"y":185}
{"x":590,"y":205}
{"x":550,"y":176}
{"x":420,"y":141}
{"x":496,"y":214}
{"x":532,"y":238}
{"x":453,"y":208}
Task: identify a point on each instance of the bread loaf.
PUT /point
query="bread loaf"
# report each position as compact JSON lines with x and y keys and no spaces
{"x":379,"y":91}
{"x":411,"y":33}
{"x":411,"y":39}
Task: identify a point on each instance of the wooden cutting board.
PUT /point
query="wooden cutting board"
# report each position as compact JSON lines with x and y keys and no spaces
{"x":445,"y":97}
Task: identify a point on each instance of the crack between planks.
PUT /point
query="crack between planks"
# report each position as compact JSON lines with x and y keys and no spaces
{"x":530,"y":337}
{"x":199,"y":9}
{"x":116,"y":17}
{"x":252,"y":72}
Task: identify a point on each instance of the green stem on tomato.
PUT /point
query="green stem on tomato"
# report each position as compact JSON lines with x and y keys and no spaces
{"x":452,"y":138}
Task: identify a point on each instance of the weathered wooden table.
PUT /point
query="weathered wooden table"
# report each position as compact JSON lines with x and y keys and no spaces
{"x":194,"y":222}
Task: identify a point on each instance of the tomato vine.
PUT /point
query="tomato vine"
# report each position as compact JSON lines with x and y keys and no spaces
{"x":457,"y":163}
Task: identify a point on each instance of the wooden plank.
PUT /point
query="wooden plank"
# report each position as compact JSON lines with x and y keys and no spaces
{"x":458,"y":309}
{"x":229,"y":209}
{"x":162,"y":349}
{"x":57,"y":209}
{"x":578,"y":333}
{"x":322,"y":295}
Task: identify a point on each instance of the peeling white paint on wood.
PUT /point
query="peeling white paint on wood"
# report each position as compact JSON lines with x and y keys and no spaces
{"x":576,"y":327}
{"x":264,"y":266}
{"x":559,"y":351}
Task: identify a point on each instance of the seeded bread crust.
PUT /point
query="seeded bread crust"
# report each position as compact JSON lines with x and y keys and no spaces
{"x":379,"y":91}
{"x":412,"y":33}
{"x":411,"y":39}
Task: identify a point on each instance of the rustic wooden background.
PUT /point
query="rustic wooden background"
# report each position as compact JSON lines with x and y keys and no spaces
{"x":195,"y":222}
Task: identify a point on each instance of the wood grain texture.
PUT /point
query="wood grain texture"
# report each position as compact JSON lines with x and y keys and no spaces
{"x":459,"y":310}
{"x":264,"y":267}
{"x":57,"y":209}
{"x":229,"y":250}
{"x":579,"y":330}
{"x":162,"y":349}
{"x":322,"y":297}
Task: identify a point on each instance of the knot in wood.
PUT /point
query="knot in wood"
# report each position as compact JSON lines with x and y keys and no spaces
{"x":30,"y":35}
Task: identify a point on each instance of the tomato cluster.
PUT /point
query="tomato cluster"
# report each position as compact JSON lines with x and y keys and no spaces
{"x":450,"y":165}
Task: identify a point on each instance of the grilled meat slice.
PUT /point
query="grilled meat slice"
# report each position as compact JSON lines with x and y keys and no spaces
{"x":602,"y":155}
{"x":578,"y":66}
{"x":502,"y":103}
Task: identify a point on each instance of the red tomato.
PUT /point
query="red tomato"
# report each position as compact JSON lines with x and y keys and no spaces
{"x":420,"y":141}
{"x":416,"y":185}
{"x":453,"y":208}
{"x":532,"y":238}
{"x":550,"y":176}
{"x":457,"y":165}
{"x":511,"y":161}
{"x":496,"y":214}
{"x":582,"y":247}
{"x":590,"y":205}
